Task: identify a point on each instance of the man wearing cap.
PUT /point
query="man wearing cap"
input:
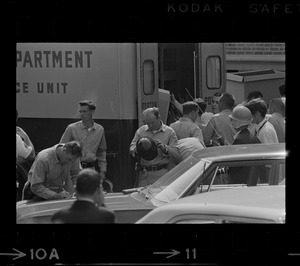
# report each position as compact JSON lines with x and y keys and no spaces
{"x":166,"y":141}
{"x":91,"y":137}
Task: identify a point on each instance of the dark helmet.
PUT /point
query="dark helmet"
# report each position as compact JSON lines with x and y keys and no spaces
{"x":146,"y":148}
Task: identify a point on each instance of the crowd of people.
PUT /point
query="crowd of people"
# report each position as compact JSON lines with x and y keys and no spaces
{"x":229,"y":123}
{"x":59,"y":172}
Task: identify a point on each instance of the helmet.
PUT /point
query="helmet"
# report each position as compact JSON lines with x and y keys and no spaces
{"x":242,"y":115}
{"x":146,"y":148}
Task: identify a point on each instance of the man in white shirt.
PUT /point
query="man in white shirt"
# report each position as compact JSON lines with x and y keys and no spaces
{"x":187,"y":146}
{"x":263,"y":129}
{"x":22,"y":149}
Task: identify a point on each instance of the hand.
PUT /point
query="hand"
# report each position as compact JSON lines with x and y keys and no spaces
{"x":133,"y":152}
{"x":172,"y":98}
{"x":62,"y":195}
{"x":162,"y":147}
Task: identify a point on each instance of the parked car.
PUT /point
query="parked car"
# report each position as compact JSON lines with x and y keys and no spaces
{"x":207,"y":170}
{"x":237,"y":205}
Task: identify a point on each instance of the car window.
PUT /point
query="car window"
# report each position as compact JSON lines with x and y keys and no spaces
{"x":249,"y":173}
{"x":171,"y":176}
{"x":281,"y":172}
{"x":180,"y":185}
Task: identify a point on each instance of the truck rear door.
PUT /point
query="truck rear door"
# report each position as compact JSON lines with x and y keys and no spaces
{"x":210,"y":63}
{"x":147,"y":77}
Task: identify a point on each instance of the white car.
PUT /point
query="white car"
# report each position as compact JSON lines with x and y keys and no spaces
{"x":207,"y":170}
{"x":264,"y":204}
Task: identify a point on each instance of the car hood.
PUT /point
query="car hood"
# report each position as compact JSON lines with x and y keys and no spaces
{"x":117,"y":202}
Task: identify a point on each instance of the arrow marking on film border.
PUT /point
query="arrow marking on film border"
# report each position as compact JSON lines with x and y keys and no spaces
{"x":172,"y":253}
{"x":18,"y":255}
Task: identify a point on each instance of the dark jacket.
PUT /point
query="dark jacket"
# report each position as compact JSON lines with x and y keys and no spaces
{"x":86,"y":212}
{"x":245,"y":137}
{"x":238,"y":175}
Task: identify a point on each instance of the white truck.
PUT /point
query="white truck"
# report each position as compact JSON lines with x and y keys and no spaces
{"x":121,"y":78}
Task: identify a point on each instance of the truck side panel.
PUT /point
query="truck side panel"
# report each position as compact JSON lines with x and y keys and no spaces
{"x":53,"y":77}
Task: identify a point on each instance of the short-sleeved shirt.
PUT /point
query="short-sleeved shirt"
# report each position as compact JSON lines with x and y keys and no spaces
{"x":265,"y":132}
{"x":166,"y":135}
{"x":186,"y":128}
{"x":278,"y":122}
{"x":219,"y":125}
{"x":48,"y":176}
{"x":187,"y":146}
{"x":92,"y":140}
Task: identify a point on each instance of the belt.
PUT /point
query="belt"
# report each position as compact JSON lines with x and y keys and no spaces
{"x":88,"y":164}
{"x":153,"y":167}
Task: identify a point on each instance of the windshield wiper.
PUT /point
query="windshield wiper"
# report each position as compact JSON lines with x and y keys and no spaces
{"x":131,"y":190}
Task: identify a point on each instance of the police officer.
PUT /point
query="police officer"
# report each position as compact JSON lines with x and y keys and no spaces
{"x":241,"y":119}
{"x":162,"y":147}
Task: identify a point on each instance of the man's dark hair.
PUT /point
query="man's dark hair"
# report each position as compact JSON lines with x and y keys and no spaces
{"x":188,"y":107}
{"x":202,"y":106}
{"x":74,"y":148}
{"x":228,"y":100}
{"x":254,"y":95}
{"x":88,"y":182}
{"x":257,"y":105}
{"x":91,"y":105}
{"x":282,"y":90}
{"x":217,"y":94}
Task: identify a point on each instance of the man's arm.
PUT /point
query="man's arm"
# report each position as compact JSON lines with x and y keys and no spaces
{"x":172,"y":148}
{"x":75,"y":169}
{"x":69,"y":186}
{"x":27,"y":141}
{"x":23,"y":150}
{"x":197,"y":133}
{"x":208,"y":132}
{"x":132,"y":148}
{"x":67,"y":135}
{"x":36,"y":176}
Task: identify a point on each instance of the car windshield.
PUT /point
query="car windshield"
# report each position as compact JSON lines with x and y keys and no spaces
{"x":174,"y":183}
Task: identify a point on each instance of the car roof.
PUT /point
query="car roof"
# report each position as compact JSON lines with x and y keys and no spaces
{"x":238,"y":152}
{"x":264,"y":202}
